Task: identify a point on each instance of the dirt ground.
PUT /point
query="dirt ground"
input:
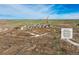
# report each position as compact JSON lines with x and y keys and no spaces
{"x":23,"y":43}
{"x":48,"y":42}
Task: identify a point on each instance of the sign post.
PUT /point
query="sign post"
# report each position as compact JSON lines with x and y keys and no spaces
{"x":67,"y":35}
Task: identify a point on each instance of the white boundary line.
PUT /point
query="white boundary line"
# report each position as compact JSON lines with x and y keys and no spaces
{"x":37,"y":35}
{"x":74,"y":43}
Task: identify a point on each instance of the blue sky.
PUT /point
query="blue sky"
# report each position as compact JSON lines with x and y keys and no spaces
{"x":39,"y":11}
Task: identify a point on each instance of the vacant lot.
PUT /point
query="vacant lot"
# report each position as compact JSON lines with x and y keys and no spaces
{"x":37,"y":41}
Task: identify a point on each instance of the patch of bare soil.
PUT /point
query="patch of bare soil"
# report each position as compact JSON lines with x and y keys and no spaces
{"x":24,"y":43}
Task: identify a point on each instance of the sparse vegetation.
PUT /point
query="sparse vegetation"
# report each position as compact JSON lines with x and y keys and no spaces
{"x":23,"y":42}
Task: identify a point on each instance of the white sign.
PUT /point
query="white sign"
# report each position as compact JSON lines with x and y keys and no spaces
{"x":66,"y":33}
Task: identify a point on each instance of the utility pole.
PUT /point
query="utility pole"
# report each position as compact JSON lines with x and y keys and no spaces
{"x":47,"y":22}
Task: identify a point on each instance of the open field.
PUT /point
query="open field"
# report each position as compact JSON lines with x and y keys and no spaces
{"x":40,"y":21}
{"x":37,"y":41}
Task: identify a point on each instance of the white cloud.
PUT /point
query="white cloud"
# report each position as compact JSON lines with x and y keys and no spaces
{"x":33,"y":12}
{"x":71,"y":16}
{"x":65,"y":16}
